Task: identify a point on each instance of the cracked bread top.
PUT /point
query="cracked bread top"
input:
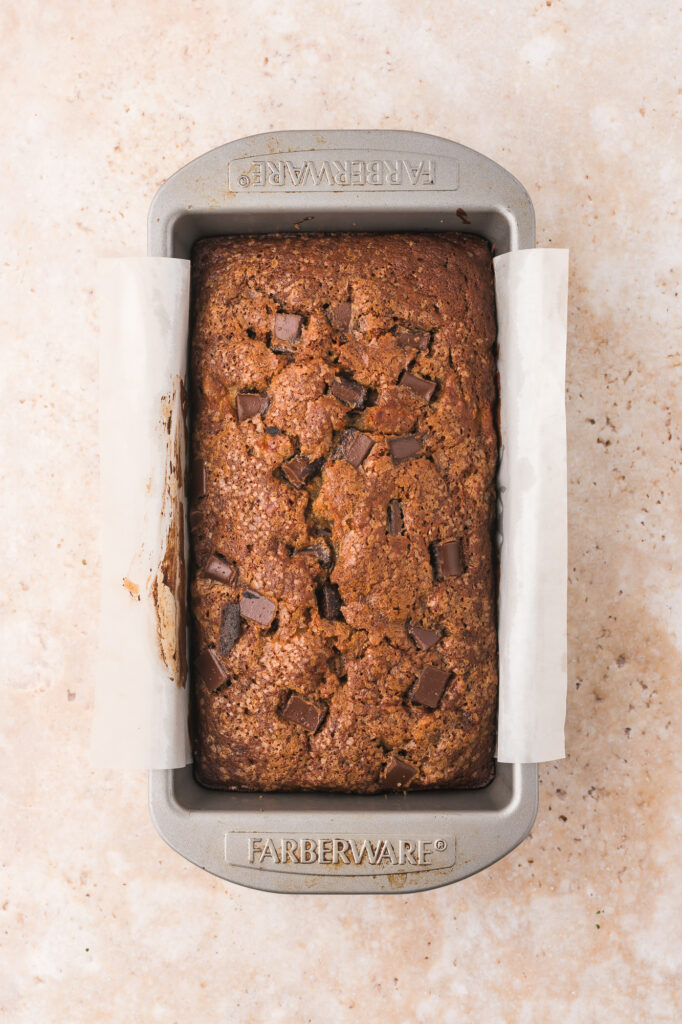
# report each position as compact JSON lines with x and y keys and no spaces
{"x":342,"y":507}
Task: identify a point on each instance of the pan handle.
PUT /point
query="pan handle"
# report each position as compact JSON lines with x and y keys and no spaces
{"x":313,"y":181}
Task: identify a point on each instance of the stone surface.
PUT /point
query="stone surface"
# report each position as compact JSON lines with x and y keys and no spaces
{"x":100,"y":920}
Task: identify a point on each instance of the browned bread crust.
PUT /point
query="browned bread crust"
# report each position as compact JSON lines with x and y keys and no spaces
{"x":343,"y":579}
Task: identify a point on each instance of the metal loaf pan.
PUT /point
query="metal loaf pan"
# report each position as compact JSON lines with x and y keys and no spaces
{"x":320,"y":842}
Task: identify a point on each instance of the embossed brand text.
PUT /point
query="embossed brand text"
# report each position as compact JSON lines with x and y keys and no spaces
{"x":288,"y":174}
{"x":264,"y":850}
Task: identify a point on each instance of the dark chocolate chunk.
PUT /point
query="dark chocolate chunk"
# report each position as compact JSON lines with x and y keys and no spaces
{"x":447,"y":558}
{"x":210,"y":669}
{"x":341,"y":315}
{"x":349,"y":392}
{"x":428,"y":689}
{"x":195,"y":517}
{"x":399,"y":773}
{"x":230,"y":626}
{"x":249,"y":406}
{"x":257,"y":608}
{"x":287,"y":327}
{"x":217,"y":568}
{"x":273,"y":431}
{"x":198,"y":480}
{"x":322,"y":552}
{"x":303,"y":712}
{"x":329,"y":601}
{"x":413,"y":339}
{"x":407,"y":447}
{"x":355,"y":447}
{"x":425,"y":639}
{"x":395,"y":517}
{"x":299,"y":470}
{"x":420,"y":385}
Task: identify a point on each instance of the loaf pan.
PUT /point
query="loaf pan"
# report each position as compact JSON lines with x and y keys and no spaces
{"x":329,"y":842}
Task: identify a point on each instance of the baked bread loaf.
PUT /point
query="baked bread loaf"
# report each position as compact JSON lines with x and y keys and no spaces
{"x":343,"y":442}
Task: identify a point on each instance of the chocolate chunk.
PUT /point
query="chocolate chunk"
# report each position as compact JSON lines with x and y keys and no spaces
{"x":321,"y":552}
{"x":210,"y":669}
{"x":217,"y":568}
{"x":329,"y":601}
{"x":299,"y":470}
{"x":230,"y":626}
{"x":287,"y":327}
{"x":198,"y":480}
{"x":249,"y":406}
{"x":195,"y":517}
{"x":399,"y":773}
{"x":341,"y":315}
{"x":407,"y":447}
{"x":429,"y":687}
{"x":413,"y":339}
{"x":273,"y":431}
{"x":447,"y":558}
{"x":420,"y":385}
{"x":257,"y":608}
{"x":303,"y":712}
{"x":424,"y":638}
{"x":349,"y":392}
{"x":355,"y":447}
{"x":395,"y":517}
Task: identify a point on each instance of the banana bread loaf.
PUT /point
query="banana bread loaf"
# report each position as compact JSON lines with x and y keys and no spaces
{"x":344,"y":450}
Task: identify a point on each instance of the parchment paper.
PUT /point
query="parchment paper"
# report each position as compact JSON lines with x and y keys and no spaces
{"x":141,"y":699}
{"x":531,"y":288}
{"x":141,"y":693}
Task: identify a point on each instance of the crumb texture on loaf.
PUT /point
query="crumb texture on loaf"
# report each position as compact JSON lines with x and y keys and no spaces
{"x":342,"y":506}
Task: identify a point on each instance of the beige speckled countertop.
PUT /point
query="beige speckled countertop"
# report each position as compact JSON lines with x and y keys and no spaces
{"x":100,"y":921}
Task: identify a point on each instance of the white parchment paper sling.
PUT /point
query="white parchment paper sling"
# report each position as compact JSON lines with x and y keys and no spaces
{"x":141,"y":707}
{"x":140,"y":710}
{"x":531,"y":289}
